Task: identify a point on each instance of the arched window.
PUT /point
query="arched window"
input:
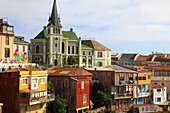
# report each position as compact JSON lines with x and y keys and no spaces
{"x":58,"y":31}
{"x":68,"y":49}
{"x":37,"y":49}
{"x":89,"y":53}
{"x":89,"y":60}
{"x":7,"y":40}
{"x":63,"y":47}
{"x":84,"y":60}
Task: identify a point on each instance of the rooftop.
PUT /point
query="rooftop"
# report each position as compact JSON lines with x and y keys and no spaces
{"x":95,"y":45}
{"x":144,"y":58}
{"x":68,"y":71}
{"x":127,"y":56}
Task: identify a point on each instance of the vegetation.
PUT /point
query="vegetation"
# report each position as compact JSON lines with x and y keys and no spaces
{"x":59,"y":104}
{"x":99,"y":95}
{"x":72,"y":60}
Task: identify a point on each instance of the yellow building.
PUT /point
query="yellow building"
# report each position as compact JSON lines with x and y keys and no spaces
{"x":6,"y":40}
{"x":141,"y":89}
{"x":33,"y":90}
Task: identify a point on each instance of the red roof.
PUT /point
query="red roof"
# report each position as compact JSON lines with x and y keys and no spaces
{"x":160,"y":67}
{"x":144,"y":58}
{"x":157,"y":86}
{"x":69,"y":71}
{"x":21,"y":69}
{"x":142,"y":105}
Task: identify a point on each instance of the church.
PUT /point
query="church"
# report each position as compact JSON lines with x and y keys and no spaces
{"x":53,"y":46}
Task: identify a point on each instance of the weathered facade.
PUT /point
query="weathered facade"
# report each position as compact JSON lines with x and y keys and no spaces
{"x":118,"y":82}
{"x":73,"y":84}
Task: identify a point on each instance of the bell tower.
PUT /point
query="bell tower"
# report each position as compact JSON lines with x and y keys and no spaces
{"x":54,"y":36}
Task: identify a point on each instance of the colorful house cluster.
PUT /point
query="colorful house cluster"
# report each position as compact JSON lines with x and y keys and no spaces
{"x":13,"y":48}
{"x":26,"y":92}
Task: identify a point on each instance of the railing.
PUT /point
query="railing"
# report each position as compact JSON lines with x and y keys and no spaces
{"x":121,"y":82}
{"x":36,"y":100}
{"x":123,"y":95}
{"x":143,"y":94}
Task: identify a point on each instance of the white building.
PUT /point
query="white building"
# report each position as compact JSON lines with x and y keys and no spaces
{"x":159,"y":94}
{"x":101,"y":54}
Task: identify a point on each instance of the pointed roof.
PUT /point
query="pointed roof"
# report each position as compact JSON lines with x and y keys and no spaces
{"x":70,"y":34}
{"x":54,"y":20}
{"x":42,"y":34}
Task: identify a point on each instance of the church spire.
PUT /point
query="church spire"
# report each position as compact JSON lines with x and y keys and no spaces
{"x":55,"y":20}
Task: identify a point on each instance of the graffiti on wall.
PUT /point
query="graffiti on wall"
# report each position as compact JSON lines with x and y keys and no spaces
{"x":20,"y":58}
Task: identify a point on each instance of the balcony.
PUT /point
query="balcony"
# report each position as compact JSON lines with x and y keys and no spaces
{"x":122,"y":96}
{"x":144,"y":94}
{"x":37,"y":100}
{"x":121,"y":82}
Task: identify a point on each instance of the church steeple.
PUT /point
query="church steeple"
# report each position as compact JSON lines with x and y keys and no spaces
{"x":55,"y":20}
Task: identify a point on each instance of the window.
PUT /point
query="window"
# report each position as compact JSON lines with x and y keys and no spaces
{"x":140,"y":78}
{"x":130,"y":78}
{"x":41,"y":105}
{"x":159,"y":99}
{"x":144,"y":78}
{"x":163,"y":84}
{"x":100,"y":63}
{"x":37,"y":49}
{"x":148,"y":76}
{"x":68,"y":49}
{"x":58,"y":31}
{"x":74,"y":85}
{"x":24,"y":82}
{"x":72,"y":99}
{"x":146,"y":108}
{"x":84,"y":98}
{"x":83,"y":52}
{"x":57,"y":83}
{"x":89,"y":53}
{"x":77,"y":49}
{"x":56,"y":45}
{"x":158,"y":90}
{"x":84,"y":60}
{"x":100,"y":54}
{"x":23,"y":48}
{"x":63,"y":47}
{"x":89,"y":60}
{"x":107,"y":54}
{"x":82,"y":85}
{"x":26,"y":108}
{"x":7,"y":40}
{"x":56,"y":38}
{"x":121,"y":78}
{"x":72,"y":49}
{"x":143,"y":109}
{"x":7,"y":52}
{"x":66,"y":83}
{"x":48,"y":30}
{"x":53,"y":30}
{"x":42,"y":80}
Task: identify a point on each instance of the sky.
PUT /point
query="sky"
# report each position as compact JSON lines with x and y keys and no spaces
{"x":124,"y":26}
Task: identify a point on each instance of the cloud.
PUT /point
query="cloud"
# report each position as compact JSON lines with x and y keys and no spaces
{"x":108,"y":21}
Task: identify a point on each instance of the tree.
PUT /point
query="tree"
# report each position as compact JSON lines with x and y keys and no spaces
{"x":59,"y":104}
{"x":72,"y":60}
{"x":99,"y":96}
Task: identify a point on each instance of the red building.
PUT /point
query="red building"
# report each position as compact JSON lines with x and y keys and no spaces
{"x":73,"y":84}
{"x":9,"y":92}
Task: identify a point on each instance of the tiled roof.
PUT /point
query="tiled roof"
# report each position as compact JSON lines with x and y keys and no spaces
{"x":94,"y":44}
{"x":21,"y":69}
{"x":70,"y":34}
{"x":157,"y":86}
{"x":127,"y":56}
{"x":142,"y":105}
{"x":160,"y":67}
{"x":144,"y":58}
{"x":68,"y":71}
{"x":161,"y":59}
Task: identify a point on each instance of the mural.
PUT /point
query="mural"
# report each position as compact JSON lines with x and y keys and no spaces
{"x":20,"y":58}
